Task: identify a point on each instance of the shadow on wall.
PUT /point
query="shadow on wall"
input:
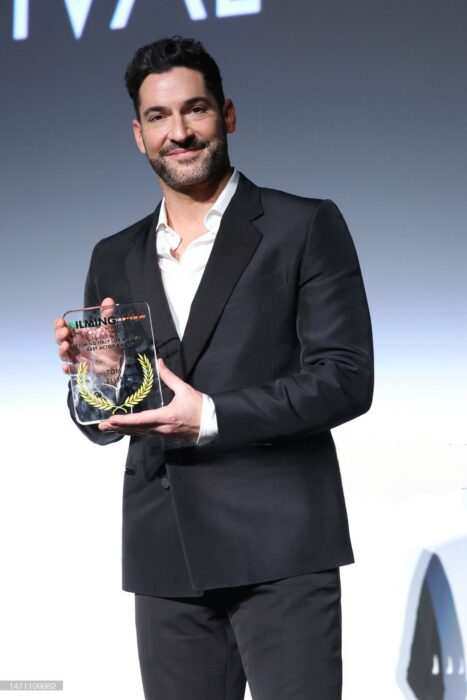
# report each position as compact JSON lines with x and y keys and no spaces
{"x":432,"y":660}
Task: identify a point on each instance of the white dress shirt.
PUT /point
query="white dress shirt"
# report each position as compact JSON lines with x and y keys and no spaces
{"x":181,"y":279}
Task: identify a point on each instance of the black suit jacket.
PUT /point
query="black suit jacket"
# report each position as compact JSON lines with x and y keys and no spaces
{"x":279,"y":336}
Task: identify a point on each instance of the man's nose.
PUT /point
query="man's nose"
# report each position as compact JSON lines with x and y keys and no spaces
{"x":179,"y":129}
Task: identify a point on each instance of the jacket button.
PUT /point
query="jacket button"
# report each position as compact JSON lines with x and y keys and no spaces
{"x":165,"y":483}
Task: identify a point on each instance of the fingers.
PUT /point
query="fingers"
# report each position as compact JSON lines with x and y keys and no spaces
{"x":156,"y":420}
{"x":142,"y":420}
{"x":62,"y":338}
{"x":169,"y":378}
{"x":63,"y":350}
{"x":162,"y":430}
{"x":61,"y":330}
{"x":108,"y":426}
{"x":121,"y":431}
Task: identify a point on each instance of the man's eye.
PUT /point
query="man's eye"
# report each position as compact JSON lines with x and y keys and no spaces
{"x":155,"y":117}
{"x":198,"y":109}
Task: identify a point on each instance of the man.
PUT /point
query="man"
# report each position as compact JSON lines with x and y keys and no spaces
{"x":232,"y":543}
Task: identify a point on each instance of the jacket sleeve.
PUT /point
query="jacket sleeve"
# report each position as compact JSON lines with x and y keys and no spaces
{"x":335,"y":383}
{"x":91,"y":298}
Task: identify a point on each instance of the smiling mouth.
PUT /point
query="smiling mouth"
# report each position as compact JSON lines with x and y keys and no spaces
{"x":184,"y":152}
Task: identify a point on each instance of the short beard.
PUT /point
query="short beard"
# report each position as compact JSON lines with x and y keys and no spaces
{"x":212,"y":168}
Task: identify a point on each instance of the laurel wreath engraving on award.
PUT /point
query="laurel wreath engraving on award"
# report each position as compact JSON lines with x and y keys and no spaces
{"x":103,"y":404}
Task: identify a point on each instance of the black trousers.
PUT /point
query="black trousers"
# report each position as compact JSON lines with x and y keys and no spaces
{"x":283,"y":636}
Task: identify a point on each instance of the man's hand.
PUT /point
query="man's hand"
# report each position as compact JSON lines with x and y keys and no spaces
{"x":68,"y":344}
{"x":181,"y":418}
{"x":63,"y":339}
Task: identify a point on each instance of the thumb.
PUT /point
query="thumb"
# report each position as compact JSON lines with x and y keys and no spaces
{"x":168,"y":377}
{"x":107,"y":307}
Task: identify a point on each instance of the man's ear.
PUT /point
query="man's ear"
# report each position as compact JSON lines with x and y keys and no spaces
{"x":138,"y":134}
{"x":230,"y":116}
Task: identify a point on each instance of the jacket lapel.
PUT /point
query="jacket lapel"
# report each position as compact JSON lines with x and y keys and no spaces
{"x":146,"y":285}
{"x":235,"y":244}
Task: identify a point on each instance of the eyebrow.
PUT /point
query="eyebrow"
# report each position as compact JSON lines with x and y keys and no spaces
{"x":187,"y":103}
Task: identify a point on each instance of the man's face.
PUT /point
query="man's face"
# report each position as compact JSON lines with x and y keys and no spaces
{"x":182,"y":130}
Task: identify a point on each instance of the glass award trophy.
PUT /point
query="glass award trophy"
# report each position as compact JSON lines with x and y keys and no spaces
{"x":112,"y":361}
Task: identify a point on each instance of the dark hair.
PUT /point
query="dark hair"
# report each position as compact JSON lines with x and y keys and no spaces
{"x":164,"y":54}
